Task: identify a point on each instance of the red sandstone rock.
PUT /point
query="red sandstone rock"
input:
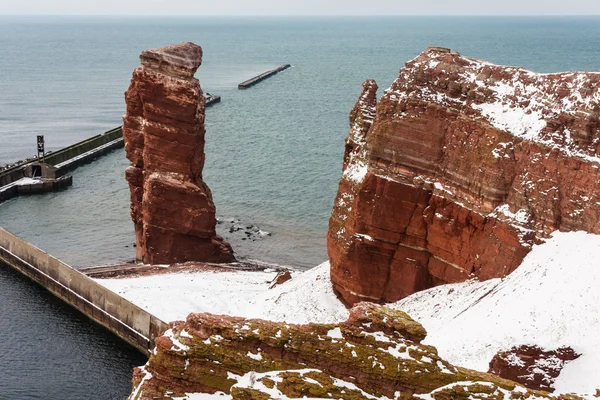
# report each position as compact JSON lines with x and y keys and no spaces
{"x":458,"y":170}
{"x":281,"y":277}
{"x":171,"y":206}
{"x":531,"y":366}
{"x":376,"y":354}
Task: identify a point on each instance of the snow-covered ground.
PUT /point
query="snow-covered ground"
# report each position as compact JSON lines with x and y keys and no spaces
{"x":308,"y":297}
{"x":551,"y":300}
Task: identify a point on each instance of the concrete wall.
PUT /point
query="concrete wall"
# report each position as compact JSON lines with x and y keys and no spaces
{"x":86,"y":157}
{"x":17,"y":172}
{"x":13,"y":174}
{"x":76,"y":149}
{"x":8,"y":193}
{"x":45,"y":186}
{"x":79,"y":148}
{"x":130,"y":322}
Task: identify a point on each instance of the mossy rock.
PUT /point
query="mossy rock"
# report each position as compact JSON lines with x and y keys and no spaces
{"x":377,"y":350}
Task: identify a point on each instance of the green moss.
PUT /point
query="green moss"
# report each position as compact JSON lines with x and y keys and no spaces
{"x":379,"y":347}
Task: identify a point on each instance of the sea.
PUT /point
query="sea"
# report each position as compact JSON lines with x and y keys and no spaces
{"x":273,"y":152}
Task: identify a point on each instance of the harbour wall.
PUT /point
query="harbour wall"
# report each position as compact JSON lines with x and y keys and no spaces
{"x":71,"y":156}
{"x":80,"y":153}
{"x":253,"y":81}
{"x":130,"y":322}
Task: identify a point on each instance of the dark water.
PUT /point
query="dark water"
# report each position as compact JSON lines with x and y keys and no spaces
{"x":274,"y":151}
{"x":50,"y":351}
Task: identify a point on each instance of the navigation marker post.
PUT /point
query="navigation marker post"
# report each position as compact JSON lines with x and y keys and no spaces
{"x":41,"y":148}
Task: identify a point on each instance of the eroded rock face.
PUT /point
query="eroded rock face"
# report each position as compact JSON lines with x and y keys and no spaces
{"x":532,"y":366}
{"x":163,"y":127}
{"x":458,"y":170}
{"x":376,"y":353}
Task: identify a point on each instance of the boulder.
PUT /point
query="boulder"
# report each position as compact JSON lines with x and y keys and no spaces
{"x":281,"y":277}
{"x":532,"y":366}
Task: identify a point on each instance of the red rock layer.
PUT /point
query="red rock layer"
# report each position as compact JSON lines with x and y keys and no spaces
{"x":458,"y":169}
{"x":531,"y":366}
{"x":377,"y":353}
{"x":163,"y":127}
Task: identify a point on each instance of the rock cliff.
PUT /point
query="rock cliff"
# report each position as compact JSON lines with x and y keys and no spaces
{"x":458,"y":169}
{"x":375,"y":354}
{"x":163,"y":127}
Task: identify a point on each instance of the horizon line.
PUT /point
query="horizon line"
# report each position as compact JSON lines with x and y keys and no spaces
{"x":299,"y":16}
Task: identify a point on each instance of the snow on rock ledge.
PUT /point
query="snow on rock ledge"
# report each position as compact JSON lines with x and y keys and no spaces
{"x":551,"y":301}
{"x":462,"y":168}
{"x":375,"y":354}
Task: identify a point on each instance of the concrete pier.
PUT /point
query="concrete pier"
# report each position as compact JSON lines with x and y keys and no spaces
{"x":262,"y":77}
{"x":128,"y":321}
{"x":212,"y":99}
{"x":33,"y":176}
{"x":32,"y":186}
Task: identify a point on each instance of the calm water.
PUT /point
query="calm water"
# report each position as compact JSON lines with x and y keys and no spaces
{"x":273,"y":151}
{"x":49,"y":351}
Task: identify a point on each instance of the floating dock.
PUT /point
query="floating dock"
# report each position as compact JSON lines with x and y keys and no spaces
{"x":262,"y":77}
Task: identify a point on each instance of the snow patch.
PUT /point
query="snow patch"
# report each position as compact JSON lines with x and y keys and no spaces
{"x":551,"y":300}
{"x":307,"y":297}
{"x":355,"y":171}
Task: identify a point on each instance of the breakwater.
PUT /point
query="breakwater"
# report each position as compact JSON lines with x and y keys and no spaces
{"x":32,"y":186}
{"x":130,"y":322}
{"x":259,"y":78}
{"x":212,"y":100}
{"x":17,"y":179}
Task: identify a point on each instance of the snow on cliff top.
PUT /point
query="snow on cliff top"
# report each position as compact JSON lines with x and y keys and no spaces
{"x":551,"y":300}
{"x":511,"y":99}
{"x":307,"y":297}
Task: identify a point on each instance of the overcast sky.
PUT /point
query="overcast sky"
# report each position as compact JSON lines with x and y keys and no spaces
{"x":302,"y":7}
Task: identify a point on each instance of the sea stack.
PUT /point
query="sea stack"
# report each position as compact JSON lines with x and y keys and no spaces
{"x":163,"y":127}
{"x":458,"y":169}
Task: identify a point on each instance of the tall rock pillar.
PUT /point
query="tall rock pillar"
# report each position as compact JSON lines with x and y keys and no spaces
{"x":163,"y":128}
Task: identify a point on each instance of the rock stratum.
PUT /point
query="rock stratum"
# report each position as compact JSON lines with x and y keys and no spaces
{"x":163,"y":128}
{"x":459,"y":168}
{"x":376,"y":354}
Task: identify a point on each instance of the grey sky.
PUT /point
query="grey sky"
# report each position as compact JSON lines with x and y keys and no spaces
{"x":302,"y":7}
